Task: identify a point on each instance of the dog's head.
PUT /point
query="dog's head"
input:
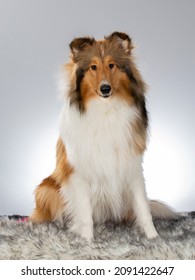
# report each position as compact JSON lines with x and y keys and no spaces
{"x":104,"y":69}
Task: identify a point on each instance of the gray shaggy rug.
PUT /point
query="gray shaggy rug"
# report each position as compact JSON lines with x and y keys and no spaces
{"x":24,"y":240}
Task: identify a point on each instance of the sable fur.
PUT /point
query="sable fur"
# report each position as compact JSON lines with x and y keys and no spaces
{"x":103,"y":135}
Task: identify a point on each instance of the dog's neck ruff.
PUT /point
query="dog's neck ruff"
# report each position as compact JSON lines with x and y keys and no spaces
{"x":99,"y":146}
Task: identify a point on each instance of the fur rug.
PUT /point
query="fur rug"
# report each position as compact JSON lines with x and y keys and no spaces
{"x":20,"y":239}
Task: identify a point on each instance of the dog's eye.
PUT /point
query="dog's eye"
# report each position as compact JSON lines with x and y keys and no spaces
{"x":94,"y":67}
{"x":111,"y":65}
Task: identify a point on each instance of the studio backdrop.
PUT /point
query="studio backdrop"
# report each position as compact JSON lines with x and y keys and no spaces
{"x":34,"y":43}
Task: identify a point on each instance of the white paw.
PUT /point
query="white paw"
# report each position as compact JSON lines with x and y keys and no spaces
{"x":85,"y":232}
{"x":149,"y":230}
{"x":151,"y":234}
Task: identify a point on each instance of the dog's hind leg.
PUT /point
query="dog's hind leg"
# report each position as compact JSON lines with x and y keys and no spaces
{"x":49,"y":205}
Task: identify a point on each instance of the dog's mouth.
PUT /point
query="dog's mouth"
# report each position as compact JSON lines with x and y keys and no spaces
{"x":106,"y":95}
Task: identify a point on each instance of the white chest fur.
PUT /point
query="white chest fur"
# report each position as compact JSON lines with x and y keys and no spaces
{"x":99,"y":146}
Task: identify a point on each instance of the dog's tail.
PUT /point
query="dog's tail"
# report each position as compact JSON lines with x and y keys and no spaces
{"x":161,"y":210}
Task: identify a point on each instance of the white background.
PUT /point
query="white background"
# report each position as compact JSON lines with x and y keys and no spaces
{"x":34,"y":38}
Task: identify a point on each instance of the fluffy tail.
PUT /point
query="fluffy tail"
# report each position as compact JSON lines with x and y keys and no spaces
{"x":161,"y":210}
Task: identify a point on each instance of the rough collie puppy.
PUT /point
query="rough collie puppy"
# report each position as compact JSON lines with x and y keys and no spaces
{"x":103,"y":133}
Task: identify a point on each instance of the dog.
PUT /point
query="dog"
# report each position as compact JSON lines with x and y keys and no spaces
{"x":103,"y":136}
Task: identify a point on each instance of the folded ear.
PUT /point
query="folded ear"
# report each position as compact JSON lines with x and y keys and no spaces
{"x":122,"y":39}
{"x":79,"y":44}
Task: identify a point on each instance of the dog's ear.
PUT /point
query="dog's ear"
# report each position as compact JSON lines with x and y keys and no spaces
{"x":79,"y":44}
{"x":122,"y":39}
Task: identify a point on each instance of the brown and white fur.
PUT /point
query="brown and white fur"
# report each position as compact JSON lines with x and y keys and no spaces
{"x":103,"y":133}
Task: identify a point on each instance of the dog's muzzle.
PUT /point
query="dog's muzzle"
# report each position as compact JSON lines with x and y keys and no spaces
{"x":105,"y":90}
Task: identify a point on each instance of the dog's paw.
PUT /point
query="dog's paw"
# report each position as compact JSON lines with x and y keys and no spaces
{"x":149,"y":230}
{"x":84,"y":232}
{"x":152,"y":234}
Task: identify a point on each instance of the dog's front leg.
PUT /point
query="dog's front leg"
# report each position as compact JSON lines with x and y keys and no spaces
{"x":76,"y":195}
{"x":141,"y":207}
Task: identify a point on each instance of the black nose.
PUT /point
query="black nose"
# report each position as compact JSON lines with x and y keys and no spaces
{"x":105,"y":89}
